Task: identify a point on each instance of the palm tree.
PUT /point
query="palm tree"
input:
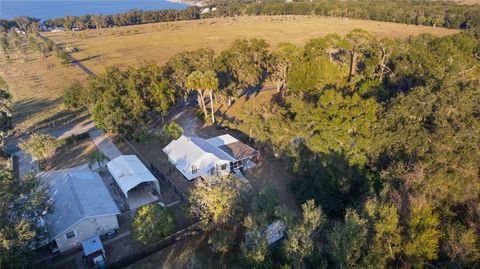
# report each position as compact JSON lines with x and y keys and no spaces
{"x":203,"y":83}
{"x":210,"y":82}
{"x":195,"y":82}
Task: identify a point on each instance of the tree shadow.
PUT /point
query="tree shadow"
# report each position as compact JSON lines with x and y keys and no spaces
{"x":330,"y":180}
{"x":253,"y":91}
{"x":30,"y":107}
{"x":86,"y":58}
{"x":64,"y":118}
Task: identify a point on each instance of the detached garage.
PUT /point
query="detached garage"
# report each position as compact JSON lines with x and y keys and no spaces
{"x":137,"y":183}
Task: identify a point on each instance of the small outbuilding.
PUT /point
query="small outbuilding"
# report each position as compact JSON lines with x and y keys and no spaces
{"x":273,"y":233}
{"x":137,"y":183}
{"x":93,"y":252}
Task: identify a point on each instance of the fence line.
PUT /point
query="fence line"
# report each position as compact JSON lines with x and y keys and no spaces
{"x":157,"y":172}
{"x":193,"y":229}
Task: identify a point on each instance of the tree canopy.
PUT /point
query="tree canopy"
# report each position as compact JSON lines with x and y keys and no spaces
{"x":22,"y":204}
{"x":153,"y":222}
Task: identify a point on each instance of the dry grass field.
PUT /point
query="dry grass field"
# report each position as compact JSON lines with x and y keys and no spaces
{"x":37,"y":83}
{"x":131,"y":45}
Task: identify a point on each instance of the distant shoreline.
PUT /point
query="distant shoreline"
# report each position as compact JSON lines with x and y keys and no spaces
{"x":45,"y":9}
{"x":186,"y":2}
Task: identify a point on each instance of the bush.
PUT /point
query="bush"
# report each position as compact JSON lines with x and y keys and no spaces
{"x":153,"y":222}
{"x":173,"y":130}
{"x":73,"y":96}
{"x":62,"y":56}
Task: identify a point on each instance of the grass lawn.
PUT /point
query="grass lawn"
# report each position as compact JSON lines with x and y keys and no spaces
{"x":131,"y":45}
{"x":37,"y":83}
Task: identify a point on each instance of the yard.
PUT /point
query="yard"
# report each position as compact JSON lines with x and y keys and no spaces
{"x":191,"y":253}
{"x":132,"y":45}
{"x":73,"y":154}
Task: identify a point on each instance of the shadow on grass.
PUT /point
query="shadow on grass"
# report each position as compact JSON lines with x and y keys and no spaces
{"x":85,"y":59}
{"x":31,"y":107}
{"x":63,"y":118}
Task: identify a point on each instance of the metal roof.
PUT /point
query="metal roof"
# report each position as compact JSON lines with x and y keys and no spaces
{"x":76,"y":195}
{"x":275,"y":231}
{"x":221,"y":140}
{"x":128,"y":171}
{"x":186,"y":152}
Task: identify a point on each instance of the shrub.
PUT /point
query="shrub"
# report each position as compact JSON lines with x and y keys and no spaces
{"x":73,"y":96}
{"x":153,"y":222}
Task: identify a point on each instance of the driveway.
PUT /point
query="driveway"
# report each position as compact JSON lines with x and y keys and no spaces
{"x":104,"y":144}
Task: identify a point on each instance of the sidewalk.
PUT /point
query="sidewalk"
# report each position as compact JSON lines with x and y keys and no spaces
{"x":104,"y":144}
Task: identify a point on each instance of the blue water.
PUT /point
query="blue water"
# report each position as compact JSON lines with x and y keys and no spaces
{"x":58,"y":8}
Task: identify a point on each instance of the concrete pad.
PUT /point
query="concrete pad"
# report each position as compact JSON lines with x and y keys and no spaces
{"x":139,"y":197}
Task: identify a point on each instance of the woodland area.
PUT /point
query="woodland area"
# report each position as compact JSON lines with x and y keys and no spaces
{"x":382,"y":137}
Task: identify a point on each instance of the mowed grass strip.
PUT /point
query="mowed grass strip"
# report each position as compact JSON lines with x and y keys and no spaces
{"x":132,"y":45}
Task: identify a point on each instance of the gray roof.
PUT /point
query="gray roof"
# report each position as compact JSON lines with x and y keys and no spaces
{"x":76,"y":195}
{"x":275,"y":231}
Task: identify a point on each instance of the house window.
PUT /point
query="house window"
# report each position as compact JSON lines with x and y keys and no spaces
{"x":70,"y":234}
{"x":223,"y":166}
{"x":194,"y":169}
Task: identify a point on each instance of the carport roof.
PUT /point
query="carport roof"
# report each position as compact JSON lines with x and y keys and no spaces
{"x":128,"y":171}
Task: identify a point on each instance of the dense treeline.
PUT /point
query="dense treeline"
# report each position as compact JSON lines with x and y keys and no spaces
{"x":383,"y":135}
{"x":431,"y":13}
{"x":132,"y":17}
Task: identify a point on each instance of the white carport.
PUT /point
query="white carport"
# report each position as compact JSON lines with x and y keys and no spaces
{"x":134,"y":179}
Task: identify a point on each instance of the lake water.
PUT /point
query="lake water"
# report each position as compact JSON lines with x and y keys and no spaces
{"x":58,"y":8}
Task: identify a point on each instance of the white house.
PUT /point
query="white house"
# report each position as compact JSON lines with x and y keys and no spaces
{"x":137,"y":183}
{"x":83,"y":208}
{"x":196,"y":157}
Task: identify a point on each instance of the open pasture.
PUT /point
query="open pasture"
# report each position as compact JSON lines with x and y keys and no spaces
{"x":131,"y":45}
